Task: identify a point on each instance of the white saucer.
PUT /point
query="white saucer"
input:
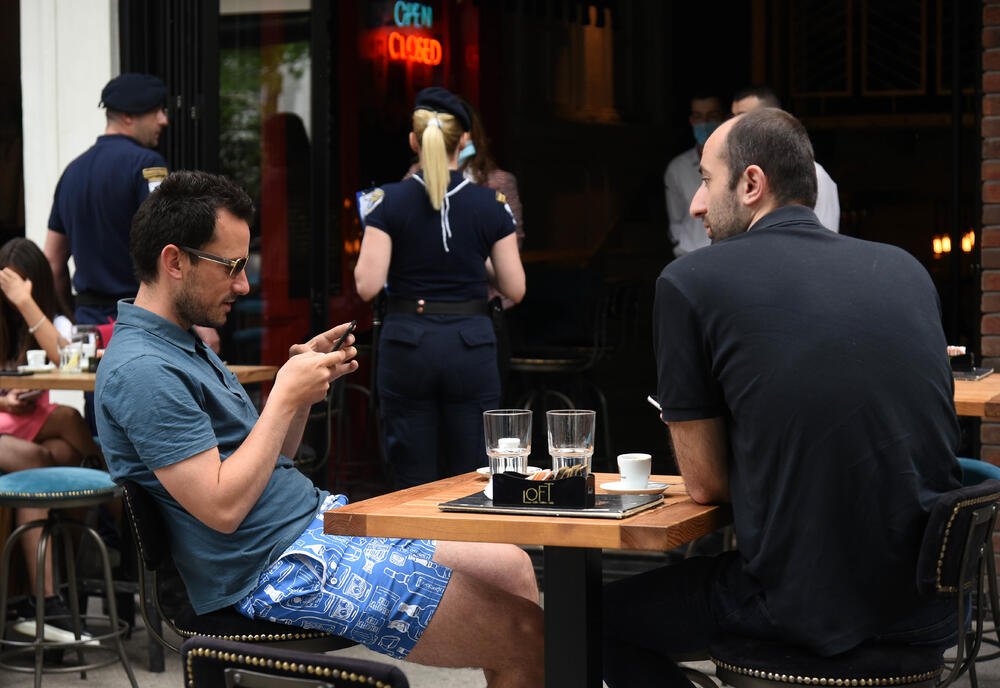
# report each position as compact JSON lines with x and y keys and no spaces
{"x":651,"y":488}
{"x":36,"y":369}
{"x":485,"y":470}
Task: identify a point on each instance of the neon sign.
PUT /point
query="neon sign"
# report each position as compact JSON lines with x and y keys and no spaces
{"x":414,"y":48}
{"x":413,"y":14}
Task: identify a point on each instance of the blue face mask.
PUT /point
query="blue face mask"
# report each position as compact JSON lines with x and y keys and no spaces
{"x":703,"y":130}
{"x":466,"y":153}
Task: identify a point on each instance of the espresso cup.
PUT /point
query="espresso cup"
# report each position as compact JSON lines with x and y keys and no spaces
{"x":634,"y":469}
{"x":36,"y":358}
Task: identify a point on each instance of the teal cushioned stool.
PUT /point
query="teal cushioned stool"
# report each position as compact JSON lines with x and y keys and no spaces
{"x":55,"y":489}
{"x":975,"y":471}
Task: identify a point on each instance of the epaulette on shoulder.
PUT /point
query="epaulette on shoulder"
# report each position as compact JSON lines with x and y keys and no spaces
{"x":154,"y":174}
{"x":369,"y":200}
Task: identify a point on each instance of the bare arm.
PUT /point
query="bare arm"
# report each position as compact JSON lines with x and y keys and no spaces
{"x":57,"y":252}
{"x":372,"y":267}
{"x":507,"y":271}
{"x":702,"y":448}
{"x":18,"y":291}
{"x":221,"y":493}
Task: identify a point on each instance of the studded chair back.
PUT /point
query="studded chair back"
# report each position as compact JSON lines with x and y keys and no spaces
{"x":213,"y":663}
{"x":954,"y":561}
{"x":952,"y":564}
{"x":167,"y":598}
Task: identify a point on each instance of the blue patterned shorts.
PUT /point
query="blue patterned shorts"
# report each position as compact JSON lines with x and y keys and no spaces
{"x":379,"y":592}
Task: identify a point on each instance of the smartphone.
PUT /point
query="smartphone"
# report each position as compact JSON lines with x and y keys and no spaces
{"x":655,"y":404}
{"x":343,"y":337}
{"x":15,"y":373}
{"x":30,"y":394}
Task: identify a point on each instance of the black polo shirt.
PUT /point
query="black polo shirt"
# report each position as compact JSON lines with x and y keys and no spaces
{"x":826,"y":356}
{"x":421,"y":267}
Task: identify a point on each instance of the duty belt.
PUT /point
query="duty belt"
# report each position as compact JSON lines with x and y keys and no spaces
{"x":424,"y":307}
{"x":96,"y":299}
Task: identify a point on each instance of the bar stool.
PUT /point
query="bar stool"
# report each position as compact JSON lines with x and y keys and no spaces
{"x":56,"y":489}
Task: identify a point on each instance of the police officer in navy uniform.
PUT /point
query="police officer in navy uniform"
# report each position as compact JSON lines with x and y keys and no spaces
{"x":435,"y":241}
{"x":99,"y":193}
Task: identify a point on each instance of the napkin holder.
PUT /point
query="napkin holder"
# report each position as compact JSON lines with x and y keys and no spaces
{"x":514,"y":489}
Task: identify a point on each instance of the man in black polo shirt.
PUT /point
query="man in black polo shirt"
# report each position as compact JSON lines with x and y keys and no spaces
{"x":804,"y":378}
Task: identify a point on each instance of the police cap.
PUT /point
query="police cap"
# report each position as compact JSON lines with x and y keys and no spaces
{"x":438,"y":99}
{"x":134,"y":93}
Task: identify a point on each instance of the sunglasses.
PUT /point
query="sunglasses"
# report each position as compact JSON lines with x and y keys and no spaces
{"x":235,"y":266}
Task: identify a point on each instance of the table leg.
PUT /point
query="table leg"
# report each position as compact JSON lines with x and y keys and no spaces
{"x":572,"y":617}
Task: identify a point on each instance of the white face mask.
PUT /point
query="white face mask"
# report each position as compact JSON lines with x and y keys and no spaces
{"x":466,"y":153}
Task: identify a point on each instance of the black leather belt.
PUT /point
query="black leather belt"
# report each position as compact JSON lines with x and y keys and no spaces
{"x":96,"y":299}
{"x":424,"y":307}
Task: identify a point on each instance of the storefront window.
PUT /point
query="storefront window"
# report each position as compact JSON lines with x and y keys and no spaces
{"x":264,"y":144}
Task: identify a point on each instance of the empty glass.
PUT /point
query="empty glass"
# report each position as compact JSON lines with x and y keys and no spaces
{"x":508,"y":439}
{"x":571,"y":437}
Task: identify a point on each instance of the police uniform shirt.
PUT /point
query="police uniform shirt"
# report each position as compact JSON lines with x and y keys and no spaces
{"x":421,"y":267}
{"x":94,"y":202}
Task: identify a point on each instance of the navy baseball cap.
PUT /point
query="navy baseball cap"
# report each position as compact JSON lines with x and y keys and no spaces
{"x":134,"y":93}
{"x":438,"y":99}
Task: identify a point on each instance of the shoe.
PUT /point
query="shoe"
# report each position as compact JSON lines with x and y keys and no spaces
{"x":58,"y":627}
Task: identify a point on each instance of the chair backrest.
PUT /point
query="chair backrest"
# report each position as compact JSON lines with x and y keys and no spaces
{"x":959,"y":531}
{"x":147,"y":525}
{"x":213,"y":663}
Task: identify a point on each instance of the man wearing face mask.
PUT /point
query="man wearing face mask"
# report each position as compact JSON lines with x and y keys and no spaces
{"x":681,"y":179}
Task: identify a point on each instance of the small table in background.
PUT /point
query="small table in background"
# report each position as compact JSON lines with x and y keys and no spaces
{"x":978,"y":397}
{"x":84,"y":382}
{"x":572,"y":552}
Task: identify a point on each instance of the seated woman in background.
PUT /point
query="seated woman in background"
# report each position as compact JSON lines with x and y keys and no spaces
{"x":35,"y":433}
{"x":28,"y":320}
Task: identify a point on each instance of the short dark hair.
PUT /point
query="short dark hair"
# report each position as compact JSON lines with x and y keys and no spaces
{"x":776,"y":142}
{"x":765,"y":94}
{"x":182,"y":211}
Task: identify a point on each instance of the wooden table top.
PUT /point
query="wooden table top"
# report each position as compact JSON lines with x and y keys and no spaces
{"x":978,"y":397}
{"x":84,"y":382}
{"x":413,"y":513}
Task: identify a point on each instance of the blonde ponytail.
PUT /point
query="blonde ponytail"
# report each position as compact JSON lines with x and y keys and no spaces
{"x":438,"y":133}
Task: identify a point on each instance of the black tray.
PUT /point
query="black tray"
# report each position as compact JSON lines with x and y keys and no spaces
{"x":605,"y":506}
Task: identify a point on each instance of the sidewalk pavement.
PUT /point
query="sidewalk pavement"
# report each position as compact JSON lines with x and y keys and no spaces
{"x":418,"y":676}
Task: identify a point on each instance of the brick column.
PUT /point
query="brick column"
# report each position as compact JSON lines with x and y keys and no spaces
{"x":990,"y":239}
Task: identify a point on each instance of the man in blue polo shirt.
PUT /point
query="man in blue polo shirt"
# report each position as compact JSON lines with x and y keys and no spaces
{"x":246,"y":528}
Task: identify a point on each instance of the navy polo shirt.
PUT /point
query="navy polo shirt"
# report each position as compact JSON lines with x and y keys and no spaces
{"x":420,"y":265}
{"x":94,"y":202}
{"x":826,"y":357}
{"x":162,"y":397}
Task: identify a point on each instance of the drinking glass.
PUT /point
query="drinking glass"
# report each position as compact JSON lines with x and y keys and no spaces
{"x":571,"y":437}
{"x":71,"y":358}
{"x":508,"y":439}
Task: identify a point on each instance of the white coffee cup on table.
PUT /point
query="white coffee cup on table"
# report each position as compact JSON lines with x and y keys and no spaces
{"x":36,"y":358}
{"x":634,"y":469}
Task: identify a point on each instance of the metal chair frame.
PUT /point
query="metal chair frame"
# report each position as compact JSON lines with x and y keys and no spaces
{"x":153,"y":613}
{"x":57,"y":527}
{"x":976,"y":574}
